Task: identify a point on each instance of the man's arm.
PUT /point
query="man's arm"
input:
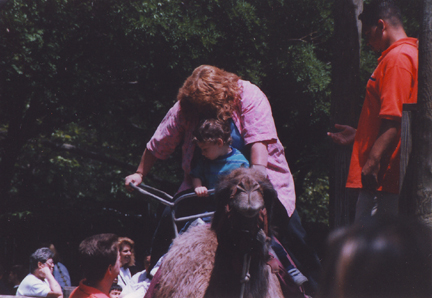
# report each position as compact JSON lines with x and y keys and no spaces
{"x":345,"y":135}
{"x":387,"y":136}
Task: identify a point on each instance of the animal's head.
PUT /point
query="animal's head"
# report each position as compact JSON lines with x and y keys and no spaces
{"x":244,"y":202}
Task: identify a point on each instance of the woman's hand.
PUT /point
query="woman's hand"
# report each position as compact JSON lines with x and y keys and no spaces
{"x":147,"y":162}
{"x":45,"y":272}
{"x":135,"y":179}
{"x":345,"y":136}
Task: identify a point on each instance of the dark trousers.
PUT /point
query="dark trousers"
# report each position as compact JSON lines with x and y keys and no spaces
{"x":292,"y":236}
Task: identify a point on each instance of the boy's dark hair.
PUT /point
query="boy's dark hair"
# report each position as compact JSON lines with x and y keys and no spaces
{"x":210,"y":130}
{"x":40,"y":255}
{"x":381,"y":9}
{"x":115,"y":286}
{"x":96,"y":254}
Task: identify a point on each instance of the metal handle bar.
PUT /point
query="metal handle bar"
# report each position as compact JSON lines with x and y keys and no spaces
{"x":142,"y":189}
{"x":190,"y":195}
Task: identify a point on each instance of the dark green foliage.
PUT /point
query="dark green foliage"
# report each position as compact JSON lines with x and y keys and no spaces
{"x":100,"y":75}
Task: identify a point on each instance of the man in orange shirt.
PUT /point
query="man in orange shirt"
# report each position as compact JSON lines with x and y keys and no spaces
{"x":100,"y":262}
{"x":374,"y":167}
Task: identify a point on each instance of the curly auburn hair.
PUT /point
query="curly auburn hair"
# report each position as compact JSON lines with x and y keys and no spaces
{"x":209,"y":92}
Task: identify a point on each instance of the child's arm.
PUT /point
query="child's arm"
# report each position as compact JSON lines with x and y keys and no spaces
{"x":200,"y":190}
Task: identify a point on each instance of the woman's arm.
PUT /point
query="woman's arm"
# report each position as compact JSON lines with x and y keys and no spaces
{"x":56,"y":290}
{"x":257,"y":123}
{"x":167,"y":136}
{"x":147,"y":162}
{"x":259,"y":157}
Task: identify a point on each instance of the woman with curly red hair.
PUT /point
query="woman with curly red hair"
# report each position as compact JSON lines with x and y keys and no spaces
{"x":211,"y":92}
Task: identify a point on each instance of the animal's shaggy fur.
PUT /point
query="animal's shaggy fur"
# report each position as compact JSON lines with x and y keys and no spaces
{"x":187,"y":267}
{"x":207,"y":262}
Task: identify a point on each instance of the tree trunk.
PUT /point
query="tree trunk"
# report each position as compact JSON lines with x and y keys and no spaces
{"x":421,"y":194}
{"x":345,"y":101}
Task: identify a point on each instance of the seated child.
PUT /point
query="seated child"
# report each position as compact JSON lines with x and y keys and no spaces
{"x":214,"y":138}
{"x":115,"y":291}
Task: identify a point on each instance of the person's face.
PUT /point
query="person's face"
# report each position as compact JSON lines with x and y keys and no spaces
{"x":49,"y":263}
{"x":114,"y":294}
{"x":12,"y":277}
{"x":211,"y":150}
{"x":373,"y":36}
{"x":125,"y":254}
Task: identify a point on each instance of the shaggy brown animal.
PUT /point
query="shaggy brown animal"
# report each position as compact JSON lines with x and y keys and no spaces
{"x":208,"y":261}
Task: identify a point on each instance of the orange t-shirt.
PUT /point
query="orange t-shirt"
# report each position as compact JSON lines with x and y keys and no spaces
{"x":393,"y":83}
{"x":84,"y":291}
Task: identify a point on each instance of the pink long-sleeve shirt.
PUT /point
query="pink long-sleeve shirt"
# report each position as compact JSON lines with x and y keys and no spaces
{"x":254,"y":121}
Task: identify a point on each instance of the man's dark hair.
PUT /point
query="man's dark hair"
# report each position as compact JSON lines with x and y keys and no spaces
{"x":210,"y":130}
{"x":96,"y":254}
{"x":40,"y":255}
{"x":115,"y":286}
{"x":381,"y":9}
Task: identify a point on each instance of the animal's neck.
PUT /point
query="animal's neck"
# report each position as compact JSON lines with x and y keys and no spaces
{"x":227,"y":273}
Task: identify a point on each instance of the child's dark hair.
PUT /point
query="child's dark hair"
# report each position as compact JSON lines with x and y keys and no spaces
{"x":115,"y":286}
{"x":210,"y":130}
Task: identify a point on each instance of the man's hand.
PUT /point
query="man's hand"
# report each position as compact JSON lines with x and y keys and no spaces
{"x":345,"y":136}
{"x":382,"y":148}
{"x":369,"y":175}
{"x":201,"y":191}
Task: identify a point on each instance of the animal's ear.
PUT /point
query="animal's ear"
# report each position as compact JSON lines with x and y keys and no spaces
{"x":223,"y":191}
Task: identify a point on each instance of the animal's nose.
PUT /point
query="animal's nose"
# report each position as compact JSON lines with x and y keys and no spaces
{"x":250,"y":211}
{"x":249,"y":204}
